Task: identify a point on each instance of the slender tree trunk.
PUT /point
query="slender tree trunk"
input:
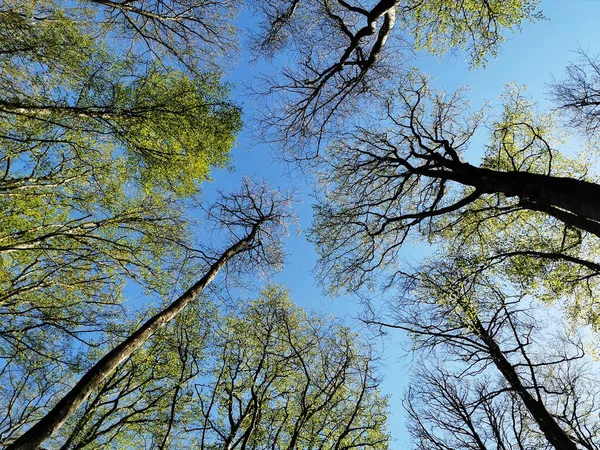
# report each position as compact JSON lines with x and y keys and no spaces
{"x":53,"y":420}
{"x":554,"y":434}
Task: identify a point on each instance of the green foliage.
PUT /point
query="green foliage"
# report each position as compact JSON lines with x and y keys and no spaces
{"x":472,"y":25}
{"x":174,"y":127}
{"x":266,"y":374}
{"x":178,"y":129}
{"x":98,"y":150}
{"x":101,"y":146}
{"x":547,"y":258}
{"x":311,"y":377}
{"x":136,"y":405}
{"x":523,"y":140}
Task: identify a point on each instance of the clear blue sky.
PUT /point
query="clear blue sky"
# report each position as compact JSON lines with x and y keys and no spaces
{"x":530,"y":57}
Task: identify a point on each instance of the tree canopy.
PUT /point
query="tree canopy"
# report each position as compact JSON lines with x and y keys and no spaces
{"x":526,"y":209}
{"x":347,"y":54}
{"x":102,"y":144}
{"x":114,"y":113}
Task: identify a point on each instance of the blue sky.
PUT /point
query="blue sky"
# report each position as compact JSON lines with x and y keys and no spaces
{"x":531,"y":57}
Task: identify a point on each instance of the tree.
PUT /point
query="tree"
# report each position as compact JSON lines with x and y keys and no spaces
{"x":172,"y":127}
{"x":285,"y":379}
{"x":265,"y":374}
{"x":344,"y":53}
{"x":448,"y":412}
{"x":525,"y":213}
{"x":502,"y":380}
{"x":382,"y":184}
{"x":522,"y":224}
{"x":189,"y":34}
{"x":142,"y":403}
{"x":99,"y":152}
{"x":255,"y":218}
{"x":102,"y":147}
{"x":578,"y":94}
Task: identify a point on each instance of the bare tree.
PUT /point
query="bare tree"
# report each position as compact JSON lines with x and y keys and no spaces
{"x":345,"y":52}
{"x":447,"y":412}
{"x":578,"y":94}
{"x":456,"y":408}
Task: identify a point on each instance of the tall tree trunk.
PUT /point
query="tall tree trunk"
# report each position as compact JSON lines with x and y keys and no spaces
{"x":53,"y":420}
{"x":552,"y":431}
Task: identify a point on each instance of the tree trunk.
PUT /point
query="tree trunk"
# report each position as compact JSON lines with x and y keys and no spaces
{"x":554,"y":434}
{"x":53,"y":420}
{"x":572,"y":201}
